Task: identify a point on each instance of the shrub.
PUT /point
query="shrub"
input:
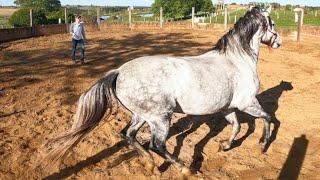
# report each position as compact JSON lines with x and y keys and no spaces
{"x":53,"y":17}
{"x":21,"y":18}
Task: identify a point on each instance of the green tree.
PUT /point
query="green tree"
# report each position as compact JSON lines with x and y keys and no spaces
{"x":181,"y":8}
{"x":45,"y":12}
{"x":207,"y":6}
{"x":52,"y":5}
{"x":288,"y":6}
{"x":21,"y":18}
{"x":47,"y":5}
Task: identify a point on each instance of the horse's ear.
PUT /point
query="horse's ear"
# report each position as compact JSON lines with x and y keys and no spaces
{"x":269,"y":9}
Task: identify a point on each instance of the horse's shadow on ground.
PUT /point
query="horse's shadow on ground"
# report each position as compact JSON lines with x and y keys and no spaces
{"x":268,"y":100}
{"x":184,"y":126}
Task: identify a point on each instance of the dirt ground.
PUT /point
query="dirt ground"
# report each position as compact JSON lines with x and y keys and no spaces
{"x":39,"y":88}
{"x":7,"y":11}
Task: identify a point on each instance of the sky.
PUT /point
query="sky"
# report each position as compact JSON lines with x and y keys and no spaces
{"x":149,"y":2}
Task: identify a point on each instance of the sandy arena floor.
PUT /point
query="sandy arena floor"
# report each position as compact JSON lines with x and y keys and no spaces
{"x":39,"y":88}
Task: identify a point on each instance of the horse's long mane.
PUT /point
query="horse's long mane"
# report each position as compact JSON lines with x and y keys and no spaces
{"x":239,"y":37}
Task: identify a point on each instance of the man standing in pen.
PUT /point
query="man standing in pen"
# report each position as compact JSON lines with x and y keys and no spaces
{"x":78,"y":37}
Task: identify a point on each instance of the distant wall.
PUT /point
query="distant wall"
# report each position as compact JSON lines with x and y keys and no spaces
{"x":39,"y":30}
{"x":156,"y":25}
{"x":15,"y":33}
{"x":44,"y":30}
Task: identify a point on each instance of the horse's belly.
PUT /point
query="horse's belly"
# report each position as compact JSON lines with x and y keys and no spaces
{"x":209,"y":102}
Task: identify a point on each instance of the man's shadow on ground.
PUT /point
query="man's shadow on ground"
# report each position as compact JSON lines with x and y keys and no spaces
{"x":268,"y":99}
{"x":187,"y":125}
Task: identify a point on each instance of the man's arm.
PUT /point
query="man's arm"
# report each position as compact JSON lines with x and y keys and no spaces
{"x":83,"y":32}
{"x":71,"y":28}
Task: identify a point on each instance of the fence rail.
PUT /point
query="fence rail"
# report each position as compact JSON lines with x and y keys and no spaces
{"x":44,"y":30}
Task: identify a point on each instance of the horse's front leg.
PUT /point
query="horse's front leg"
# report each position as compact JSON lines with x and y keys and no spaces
{"x":256,"y":110}
{"x":231,"y":117}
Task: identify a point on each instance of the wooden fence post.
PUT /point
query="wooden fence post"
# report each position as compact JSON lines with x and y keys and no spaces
{"x":66,"y":19}
{"x":299,"y":25}
{"x":225,"y":18}
{"x":31,"y":18}
{"x":98,"y":18}
{"x":193,"y":9}
{"x":161,"y":18}
{"x":32,"y":23}
{"x":302,"y":16}
{"x":130,"y":21}
{"x":235,"y":18}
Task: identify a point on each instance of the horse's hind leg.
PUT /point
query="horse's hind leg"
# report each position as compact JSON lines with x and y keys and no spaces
{"x":132,"y":129}
{"x":130,"y":135}
{"x":231,"y":117}
{"x":160,"y":130}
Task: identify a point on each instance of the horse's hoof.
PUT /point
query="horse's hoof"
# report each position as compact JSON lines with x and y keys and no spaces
{"x":220,"y":147}
{"x":149,"y":165}
{"x":263,"y":147}
{"x":186,"y":171}
{"x":224,"y":146}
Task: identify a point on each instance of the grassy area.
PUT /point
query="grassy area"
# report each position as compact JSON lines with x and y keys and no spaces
{"x":123,"y":16}
{"x":235,"y":14}
{"x":285,"y":20}
{"x":4,"y":23}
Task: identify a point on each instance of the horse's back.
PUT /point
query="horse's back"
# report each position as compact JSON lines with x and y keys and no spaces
{"x":156,"y":83}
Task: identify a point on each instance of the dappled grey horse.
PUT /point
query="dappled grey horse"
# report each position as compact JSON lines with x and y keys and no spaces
{"x":153,"y":87}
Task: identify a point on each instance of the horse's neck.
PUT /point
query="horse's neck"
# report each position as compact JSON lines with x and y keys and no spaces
{"x":245,"y":59}
{"x":255,"y":46}
{"x":240,"y":59}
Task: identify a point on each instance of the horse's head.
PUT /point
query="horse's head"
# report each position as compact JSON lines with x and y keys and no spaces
{"x":270,"y":36}
{"x":255,"y":24}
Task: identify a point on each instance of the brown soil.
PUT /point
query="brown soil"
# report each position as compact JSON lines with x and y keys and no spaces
{"x":40,"y":86}
{"x":7,"y":11}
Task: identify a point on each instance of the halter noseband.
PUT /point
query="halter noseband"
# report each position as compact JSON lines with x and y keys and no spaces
{"x":274,"y":34}
{"x":273,"y":38}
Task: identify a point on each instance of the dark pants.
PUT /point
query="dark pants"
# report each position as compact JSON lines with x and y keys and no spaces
{"x":74,"y":47}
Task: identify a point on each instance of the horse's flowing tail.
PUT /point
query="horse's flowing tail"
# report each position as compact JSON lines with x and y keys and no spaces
{"x":91,"y":108}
